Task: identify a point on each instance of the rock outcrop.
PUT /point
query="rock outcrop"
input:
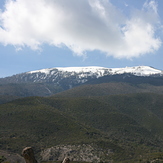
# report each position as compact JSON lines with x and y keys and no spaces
{"x":85,"y":152}
{"x":28,"y":155}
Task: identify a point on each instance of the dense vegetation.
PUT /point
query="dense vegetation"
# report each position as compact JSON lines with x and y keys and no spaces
{"x":131,"y":125}
{"x":121,"y":113}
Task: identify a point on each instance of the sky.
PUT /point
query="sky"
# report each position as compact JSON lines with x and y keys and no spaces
{"x":42,"y":34}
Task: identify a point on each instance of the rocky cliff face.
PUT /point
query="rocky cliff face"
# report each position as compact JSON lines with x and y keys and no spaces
{"x":87,"y":153}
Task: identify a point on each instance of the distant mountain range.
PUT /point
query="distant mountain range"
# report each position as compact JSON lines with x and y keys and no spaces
{"x":78,"y":75}
{"x":101,"y":71}
{"x":50,"y":81}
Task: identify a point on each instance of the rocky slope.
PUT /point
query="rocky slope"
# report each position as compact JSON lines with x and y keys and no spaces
{"x":83,"y":153}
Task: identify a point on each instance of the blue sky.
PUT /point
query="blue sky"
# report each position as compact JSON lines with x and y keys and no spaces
{"x":50,"y":33}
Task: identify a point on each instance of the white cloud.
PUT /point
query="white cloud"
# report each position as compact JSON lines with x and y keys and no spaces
{"x":81,"y":25}
{"x":152,"y":5}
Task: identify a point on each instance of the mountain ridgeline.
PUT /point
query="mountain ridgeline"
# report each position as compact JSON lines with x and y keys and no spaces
{"x":78,"y":75}
{"x":89,"y":114}
{"x":47,"y":82}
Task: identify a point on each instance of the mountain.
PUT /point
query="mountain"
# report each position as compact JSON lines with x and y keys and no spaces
{"x":108,"y":115}
{"x":121,"y":128}
{"x":51,"y":81}
{"x":77,"y":75}
{"x":110,"y":88}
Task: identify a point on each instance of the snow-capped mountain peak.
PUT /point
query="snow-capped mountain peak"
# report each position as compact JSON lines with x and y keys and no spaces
{"x":101,"y":71}
{"x":92,"y":69}
{"x":138,"y":71}
{"x":73,"y":76}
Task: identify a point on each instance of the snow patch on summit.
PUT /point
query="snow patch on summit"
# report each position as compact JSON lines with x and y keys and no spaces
{"x":138,"y":71}
{"x":69,"y":77}
{"x":100,"y":71}
{"x":70,"y":71}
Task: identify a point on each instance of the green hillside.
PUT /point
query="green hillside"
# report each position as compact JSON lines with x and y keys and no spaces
{"x":11,"y":91}
{"x":111,"y":88}
{"x":131,"y":125}
{"x":13,"y":88}
{"x":27,"y":122}
{"x":113,"y":112}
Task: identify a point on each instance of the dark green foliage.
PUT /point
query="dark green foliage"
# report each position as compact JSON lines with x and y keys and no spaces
{"x":38,"y":125}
